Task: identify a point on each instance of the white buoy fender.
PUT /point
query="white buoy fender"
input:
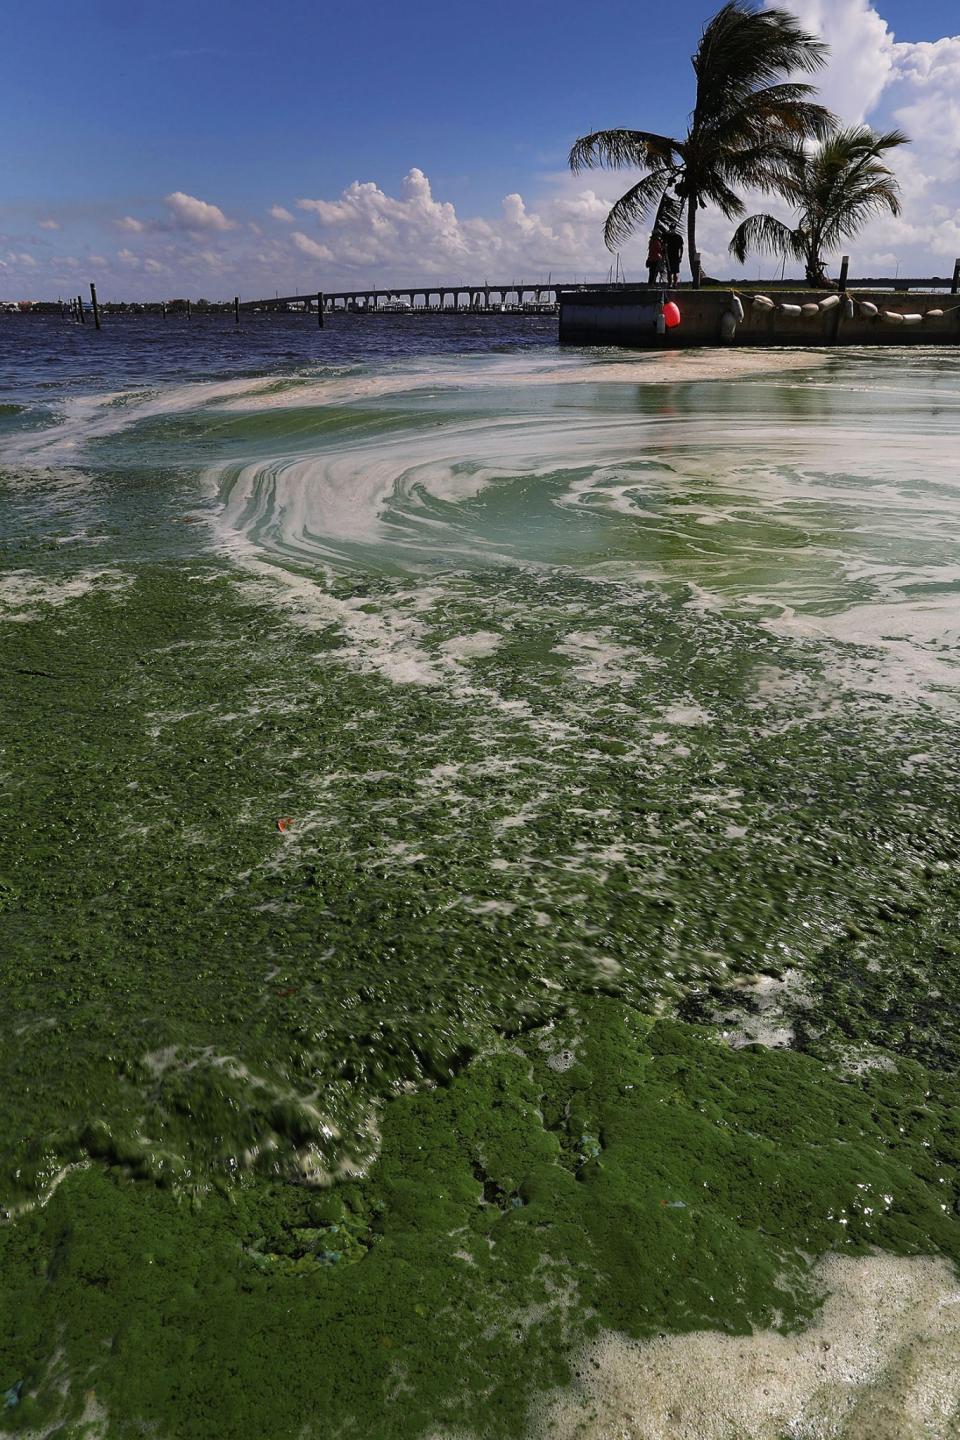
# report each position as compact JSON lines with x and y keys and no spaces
{"x":830,"y":302}
{"x":790,"y":310}
{"x":762,"y":302}
{"x":934,"y":315}
{"x":912,"y":319}
{"x":728,"y":325}
{"x":848,"y":308}
{"x":868,"y":307}
{"x":894,"y":317}
{"x":661,"y":323}
{"x":737,"y":307}
{"x":810,"y":309}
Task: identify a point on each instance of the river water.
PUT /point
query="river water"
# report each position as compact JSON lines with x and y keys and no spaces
{"x":481,"y":834}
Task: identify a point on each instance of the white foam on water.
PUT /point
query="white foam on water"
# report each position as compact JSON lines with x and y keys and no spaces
{"x":916,"y":644}
{"x":687,"y":714}
{"x":491,"y":372}
{"x":596,"y":659}
{"x":83,"y":418}
{"x":880,"y":1362}
{"x":766,"y":1022}
{"x":380,"y":494}
{"x":472,"y":647}
{"x":830,"y":532}
{"x":23,"y":592}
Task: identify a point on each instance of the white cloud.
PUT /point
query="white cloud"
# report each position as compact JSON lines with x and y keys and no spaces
{"x":49,"y":224}
{"x":414,"y":236}
{"x":310,"y":247}
{"x":280,"y":213}
{"x":194,"y":214}
{"x":130,"y":225}
{"x":861,"y":52}
{"x":926,"y":95}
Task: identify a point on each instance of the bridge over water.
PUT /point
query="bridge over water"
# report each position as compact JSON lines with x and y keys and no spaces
{"x":430,"y":297}
{"x":531,"y":294}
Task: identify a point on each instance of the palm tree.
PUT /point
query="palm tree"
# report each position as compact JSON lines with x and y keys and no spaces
{"x":835,"y":190}
{"x":746,"y":122}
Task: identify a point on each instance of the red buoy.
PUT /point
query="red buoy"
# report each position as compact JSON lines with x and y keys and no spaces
{"x":671,"y":314}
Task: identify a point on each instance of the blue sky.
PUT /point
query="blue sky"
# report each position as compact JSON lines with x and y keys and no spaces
{"x":146,"y":145}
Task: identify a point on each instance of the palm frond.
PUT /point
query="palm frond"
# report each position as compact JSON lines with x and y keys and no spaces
{"x":632,"y":208}
{"x":766,"y":235}
{"x":624,"y":149}
{"x":744,"y":48}
{"x":768,"y":114}
{"x":771,"y":165}
{"x":718,"y":193}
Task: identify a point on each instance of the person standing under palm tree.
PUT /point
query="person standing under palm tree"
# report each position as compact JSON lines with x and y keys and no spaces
{"x":748,"y":116}
{"x":674,"y":248}
{"x":654,"y":258}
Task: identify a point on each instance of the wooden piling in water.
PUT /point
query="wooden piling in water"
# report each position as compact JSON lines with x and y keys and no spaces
{"x":236,"y":309}
{"x":189,"y":311}
{"x":163,"y":309}
{"x":320,"y":309}
{"x":83,"y":318}
{"x":842,"y":288}
{"x":955,"y":287}
{"x":96,"y":307}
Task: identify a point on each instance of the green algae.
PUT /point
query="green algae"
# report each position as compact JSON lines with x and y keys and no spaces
{"x":193,"y":986}
{"x":145,"y":851}
{"x":486,"y":1239}
{"x":471,"y":1001}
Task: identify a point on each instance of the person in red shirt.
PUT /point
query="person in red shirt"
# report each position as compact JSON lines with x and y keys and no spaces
{"x":654,"y":257}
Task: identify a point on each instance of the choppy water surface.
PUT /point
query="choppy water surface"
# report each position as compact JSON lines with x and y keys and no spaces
{"x":480,"y":857}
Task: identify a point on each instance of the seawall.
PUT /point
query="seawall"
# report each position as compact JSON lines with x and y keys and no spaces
{"x":630,"y":318}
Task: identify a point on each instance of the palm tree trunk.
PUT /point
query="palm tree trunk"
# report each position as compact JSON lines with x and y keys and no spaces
{"x":814,"y":262}
{"x":692,"y":257}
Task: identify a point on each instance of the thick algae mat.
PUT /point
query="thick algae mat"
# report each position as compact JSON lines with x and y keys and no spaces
{"x":421,"y":799}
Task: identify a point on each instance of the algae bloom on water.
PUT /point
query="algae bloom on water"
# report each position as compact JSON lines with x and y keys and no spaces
{"x":479,"y":897}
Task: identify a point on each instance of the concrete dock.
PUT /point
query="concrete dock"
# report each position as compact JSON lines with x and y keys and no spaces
{"x":633,"y":316}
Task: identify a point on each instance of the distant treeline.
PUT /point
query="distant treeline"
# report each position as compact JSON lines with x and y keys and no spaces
{"x":120,"y":307}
